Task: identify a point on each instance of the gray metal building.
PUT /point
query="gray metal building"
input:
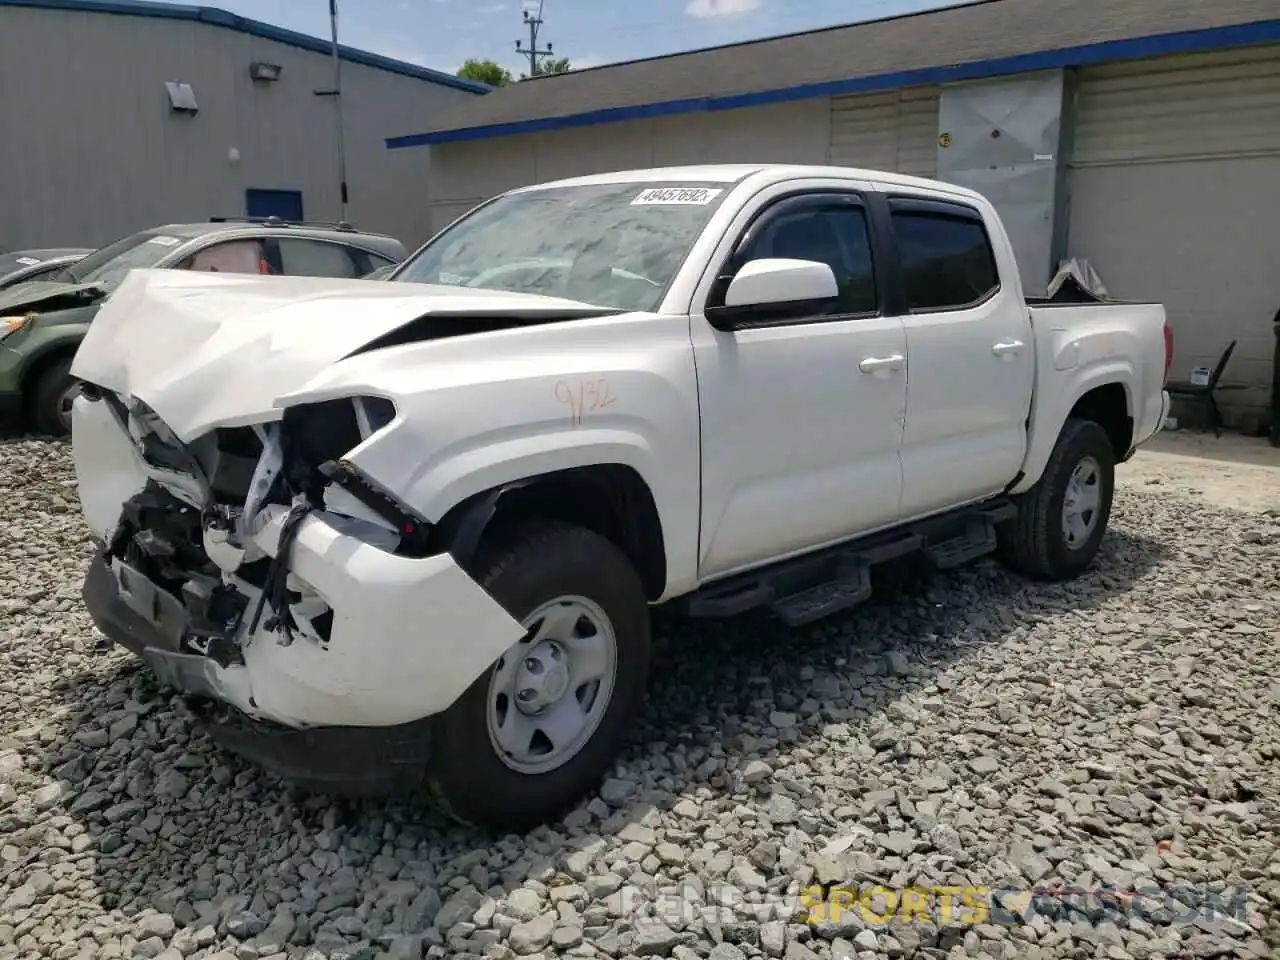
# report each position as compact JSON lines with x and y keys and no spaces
{"x":97,"y":138}
{"x":1141,"y":135}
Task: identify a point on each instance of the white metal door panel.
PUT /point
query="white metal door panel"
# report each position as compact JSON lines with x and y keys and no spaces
{"x":971,"y":375}
{"x":896,"y":131}
{"x":970,"y":369}
{"x":799,"y":447}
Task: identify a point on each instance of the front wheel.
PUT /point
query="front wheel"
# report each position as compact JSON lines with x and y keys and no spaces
{"x":1062,"y":519}
{"x":540,"y":728}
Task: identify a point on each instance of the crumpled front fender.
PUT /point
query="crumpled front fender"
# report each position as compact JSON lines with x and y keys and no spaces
{"x":409,"y":635}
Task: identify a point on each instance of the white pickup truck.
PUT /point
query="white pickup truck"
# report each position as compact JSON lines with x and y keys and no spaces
{"x":411,"y":532}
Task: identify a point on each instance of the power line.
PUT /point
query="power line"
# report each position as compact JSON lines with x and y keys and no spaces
{"x":532,"y":52}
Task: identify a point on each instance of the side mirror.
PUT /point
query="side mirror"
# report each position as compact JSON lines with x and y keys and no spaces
{"x":773,"y":282}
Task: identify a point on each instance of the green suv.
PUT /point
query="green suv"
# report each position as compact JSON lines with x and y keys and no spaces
{"x":43,"y":322}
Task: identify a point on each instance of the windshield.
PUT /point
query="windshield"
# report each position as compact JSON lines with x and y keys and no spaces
{"x":615,"y":245}
{"x":112,"y":262}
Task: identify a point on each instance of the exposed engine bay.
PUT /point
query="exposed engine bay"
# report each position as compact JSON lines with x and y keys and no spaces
{"x":243,"y":548}
{"x":195,"y":536}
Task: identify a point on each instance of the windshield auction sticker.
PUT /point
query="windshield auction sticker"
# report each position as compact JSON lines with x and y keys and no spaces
{"x":676,"y":197}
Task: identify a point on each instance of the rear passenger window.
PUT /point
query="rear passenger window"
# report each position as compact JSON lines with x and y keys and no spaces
{"x":836,"y":236}
{"x":316,"y":258}
{"x":947,"y":261}
{"x":233,"y":256}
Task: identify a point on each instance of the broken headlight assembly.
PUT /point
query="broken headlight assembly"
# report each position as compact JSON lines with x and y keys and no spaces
{"x":313,"y":434}
{"x":315,"y":440}
{"x":303,"y":464}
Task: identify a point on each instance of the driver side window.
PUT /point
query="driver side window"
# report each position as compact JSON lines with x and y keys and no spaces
{"x":836,"y":235}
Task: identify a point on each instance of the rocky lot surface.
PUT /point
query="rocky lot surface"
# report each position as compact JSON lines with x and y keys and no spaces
{"x":970,"y":731}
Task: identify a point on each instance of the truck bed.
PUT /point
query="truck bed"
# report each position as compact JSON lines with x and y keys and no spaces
{"x":1041,"y":302}
{"x":1080,"y":345}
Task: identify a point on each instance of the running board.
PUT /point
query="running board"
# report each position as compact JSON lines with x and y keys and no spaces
{"x":976,"y":540}
{"x":807,"y":588}
{"x":850,"y":588}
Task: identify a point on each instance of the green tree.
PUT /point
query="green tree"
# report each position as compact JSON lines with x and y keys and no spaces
{"x":547,"y":67}
{"x":485,"y":71}
{"x":555,"y":66}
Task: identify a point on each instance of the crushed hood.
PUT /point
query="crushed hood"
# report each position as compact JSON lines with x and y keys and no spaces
{"x":42,"y":296}
{"x":216,"y":350}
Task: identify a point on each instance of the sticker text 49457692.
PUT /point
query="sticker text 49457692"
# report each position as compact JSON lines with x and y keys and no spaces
{"x":676,"y":196}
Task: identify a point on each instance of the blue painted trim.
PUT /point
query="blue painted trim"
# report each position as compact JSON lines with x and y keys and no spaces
{"x":1136,"y":48}
{"x":256,"y":28}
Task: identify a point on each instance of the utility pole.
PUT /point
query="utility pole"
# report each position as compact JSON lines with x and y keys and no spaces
{"x":336,"y":93}
{"x":532,"y":52}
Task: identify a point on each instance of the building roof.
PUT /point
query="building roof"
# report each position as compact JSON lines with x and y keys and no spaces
{"x":256,"y":28}
{"x":968,"y":41}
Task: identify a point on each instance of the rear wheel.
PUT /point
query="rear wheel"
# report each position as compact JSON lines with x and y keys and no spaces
{"x":1062,"y":519}
{"x":540,"y":728}
{"x":51,"y":398}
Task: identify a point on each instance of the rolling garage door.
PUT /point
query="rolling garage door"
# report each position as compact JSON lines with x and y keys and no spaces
{"x":444,"y":212}
{"x":1174,"y":190}
{"x":896,"y":131}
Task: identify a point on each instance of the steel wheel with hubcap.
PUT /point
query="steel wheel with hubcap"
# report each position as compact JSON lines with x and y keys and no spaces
{"x":538,"y":730}
{"x":549,"y":692}
{"x":1062,"y":519}
{"x":1080,"y":503}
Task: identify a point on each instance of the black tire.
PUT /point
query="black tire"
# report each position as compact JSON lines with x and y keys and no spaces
{"x":1035,"y":543}
{"x":46,"y":398}
{"x":466,"y":777}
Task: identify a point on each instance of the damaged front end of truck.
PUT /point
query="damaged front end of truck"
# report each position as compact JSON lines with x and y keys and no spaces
{"x":312,"y":617}
{"x":317,"y":620}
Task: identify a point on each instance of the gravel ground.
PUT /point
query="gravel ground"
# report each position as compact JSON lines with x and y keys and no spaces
{"x":966,"y":731}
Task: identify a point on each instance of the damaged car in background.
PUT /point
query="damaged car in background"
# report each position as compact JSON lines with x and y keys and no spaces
{"x":27,"y":266}
{"x":43,"y":320}
{"x":409,"y":533}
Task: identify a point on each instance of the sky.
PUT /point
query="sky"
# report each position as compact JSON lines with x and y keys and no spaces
{"x":443,"y":33}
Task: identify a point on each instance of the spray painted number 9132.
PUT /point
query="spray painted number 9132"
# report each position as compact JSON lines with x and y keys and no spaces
{"x":584,"y":396}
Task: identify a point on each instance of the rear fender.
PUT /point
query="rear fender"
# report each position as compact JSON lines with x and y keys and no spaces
{"x":1054,"y":399}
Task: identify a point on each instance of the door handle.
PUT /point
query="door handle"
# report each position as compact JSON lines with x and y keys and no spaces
{"x":876,"y":364}
{"x":1007,"y":348}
